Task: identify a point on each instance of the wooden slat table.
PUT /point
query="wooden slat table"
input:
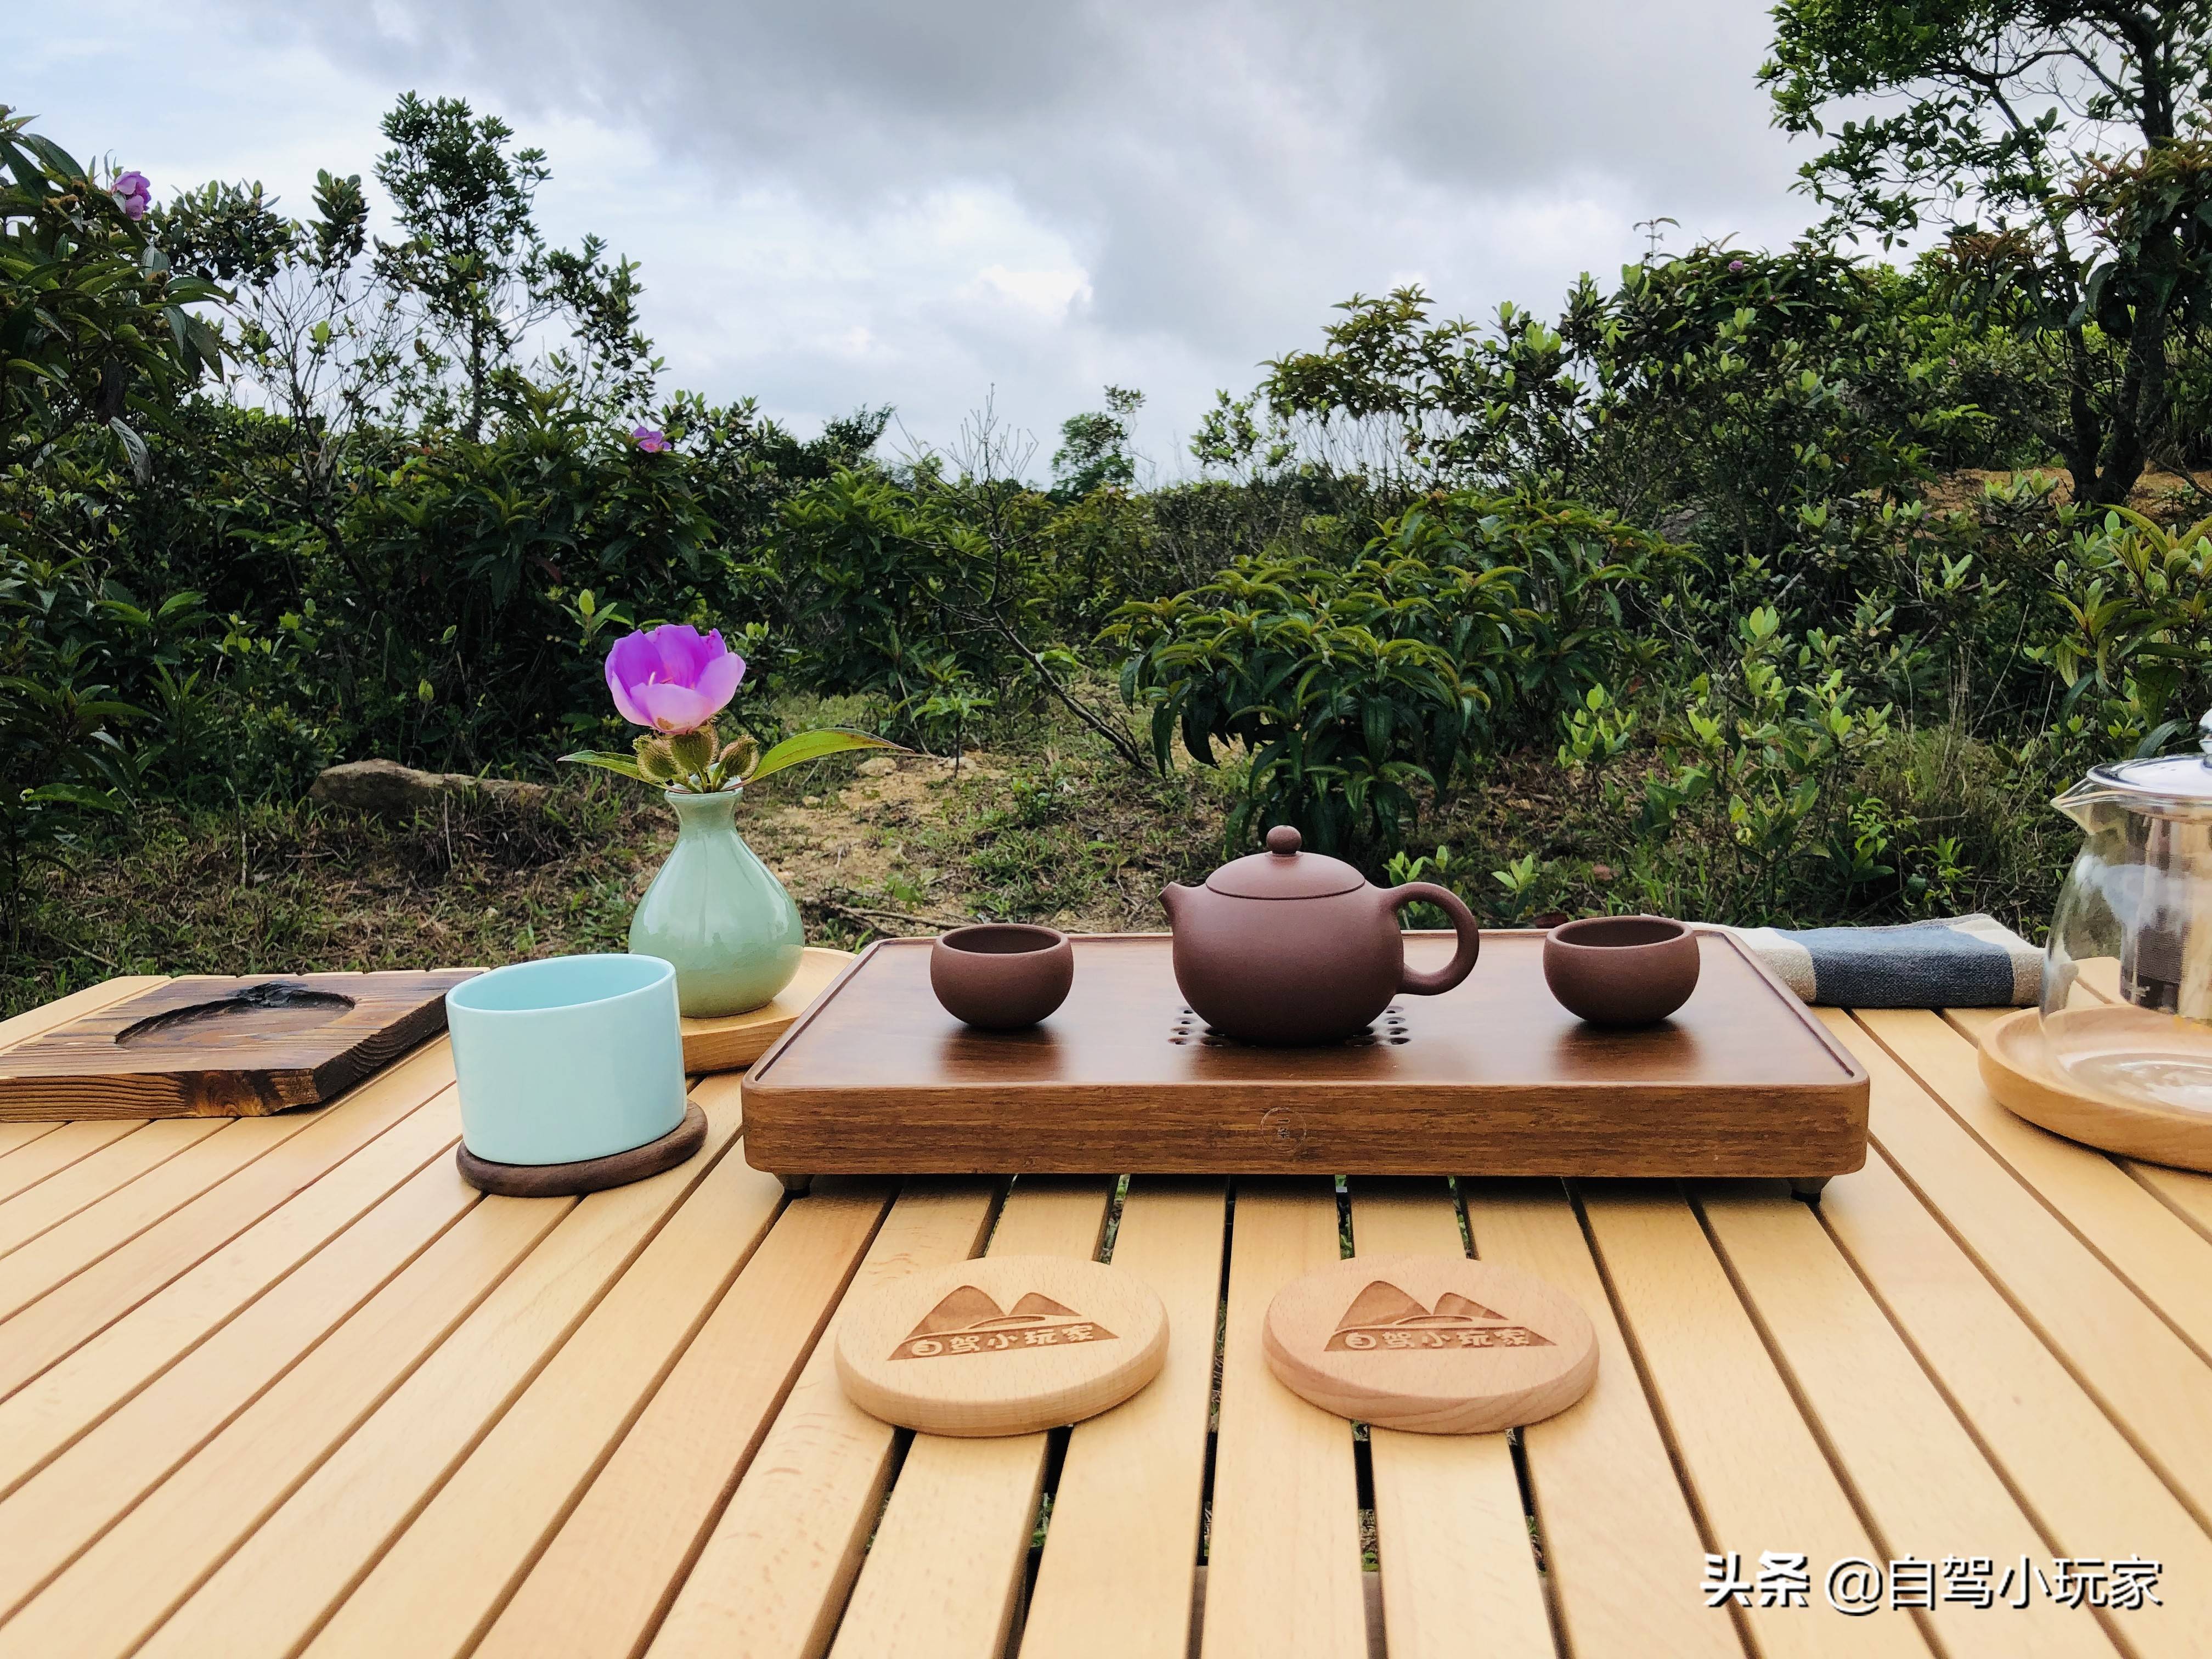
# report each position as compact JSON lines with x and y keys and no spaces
{"x":286,"y":1385}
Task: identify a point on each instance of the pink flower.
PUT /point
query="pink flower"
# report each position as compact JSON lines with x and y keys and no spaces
{"x":650,"y":440}
{"x":673,"y":678}
{"x":133,"y":193}
{"x":1736,"y":265}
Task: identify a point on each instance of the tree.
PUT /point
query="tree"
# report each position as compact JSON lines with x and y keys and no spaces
{"x":1405,"y":399}
{"x":1094,"y":447}
{"x":317,"y":334}
{"x":1724,"y":390}
{"x":94,"y":326}
{"x":2064,"y":146}
{"x":473,"y":256}
{"x":95,"y":331}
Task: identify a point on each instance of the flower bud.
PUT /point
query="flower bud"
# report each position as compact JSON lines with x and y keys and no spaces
{"x":654,"y":759}
{"x":693,"y":751}
{"x":739,"y":756}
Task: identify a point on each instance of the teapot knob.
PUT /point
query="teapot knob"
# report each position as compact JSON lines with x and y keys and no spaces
{"x":1283,"y":840}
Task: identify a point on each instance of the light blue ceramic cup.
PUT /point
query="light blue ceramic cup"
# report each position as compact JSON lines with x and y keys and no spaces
{"x":570,"y":1058}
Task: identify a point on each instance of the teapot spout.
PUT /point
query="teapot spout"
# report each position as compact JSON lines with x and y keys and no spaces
{"x":2083,"y":801}
{"x":1174,"y":896}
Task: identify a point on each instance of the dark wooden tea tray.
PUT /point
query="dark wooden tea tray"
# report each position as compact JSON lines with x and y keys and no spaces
{"x":1493,"y":1077}
{"x":205,"y":1047}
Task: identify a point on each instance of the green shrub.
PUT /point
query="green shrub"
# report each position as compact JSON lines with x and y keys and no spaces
{"x":1358,"y":688}
{"x":884,"y":590}
{"x":1753,"y":781}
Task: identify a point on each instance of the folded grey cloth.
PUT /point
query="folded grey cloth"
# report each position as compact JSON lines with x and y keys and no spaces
{"x":1959,"y":962}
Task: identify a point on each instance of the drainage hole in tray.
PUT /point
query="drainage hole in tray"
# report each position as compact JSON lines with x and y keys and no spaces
{"x":1188,"y":1031}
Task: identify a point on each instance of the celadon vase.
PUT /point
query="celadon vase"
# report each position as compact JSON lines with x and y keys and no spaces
{"x":717,"y":913}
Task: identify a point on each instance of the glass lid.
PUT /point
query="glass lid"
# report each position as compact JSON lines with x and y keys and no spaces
{"x":2178,"y":781}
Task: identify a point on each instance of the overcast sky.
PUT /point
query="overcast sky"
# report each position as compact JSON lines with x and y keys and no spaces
{"x":836,"y":203}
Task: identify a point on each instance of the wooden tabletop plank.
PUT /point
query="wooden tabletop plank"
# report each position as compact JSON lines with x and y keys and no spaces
{"x":63,"y":1146}
{"x":774,"y":1575}
{"x":1283,"y":1575}
{"x":62,"y":1251}
{"x":1121,"y":1554}
{"x":110,"y":1260}
{"x":1928,"y":1488}
{"x":203,"y":1161}
{"x":1620,"y":1539}
{"x":114,"y":1593}
{"x":600,"y":1587}
{"x":2187,"y":1193}
{"x":2086,"y":1489}
{"x":2155,"y":1385}
{"x":1761,"y":1478}
{"x":61,"y":1195}
{"x":14,"y":1135}
{"x":973,"y":1532}
{"x":2167,"y":1261}
{"x":174,"y":1289}
{"x":1450,"y":1525}
{"x":454,"y":1566}
{"x":76,"y":1493}
{"x":947,"y":1565}
{"x":277,"y":1589}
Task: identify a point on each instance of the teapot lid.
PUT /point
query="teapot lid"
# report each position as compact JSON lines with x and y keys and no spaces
{"x":1283,"y":872}
{"x":2183,"y":781}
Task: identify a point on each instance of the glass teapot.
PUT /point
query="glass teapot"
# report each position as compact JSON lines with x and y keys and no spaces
{"x":2127,"y":972}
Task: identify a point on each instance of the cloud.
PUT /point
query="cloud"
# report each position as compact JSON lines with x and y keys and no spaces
{"x":842,"y":203}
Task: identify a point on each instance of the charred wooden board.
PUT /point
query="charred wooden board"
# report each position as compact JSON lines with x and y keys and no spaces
{"x":209,"y":1047}
{"x":1493,"y":1077}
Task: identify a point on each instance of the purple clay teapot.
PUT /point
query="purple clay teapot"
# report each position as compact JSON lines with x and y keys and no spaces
{"x":1287,"y":948}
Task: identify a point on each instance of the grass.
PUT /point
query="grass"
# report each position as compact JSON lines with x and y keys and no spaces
{"x":1061,"y":832}
{"x":1047,"y":826}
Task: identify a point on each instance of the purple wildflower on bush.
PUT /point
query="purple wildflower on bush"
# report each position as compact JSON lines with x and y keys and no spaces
{"x":651,"y":441}
{"x":133,"y":192}
{"x":1736,"y":265}
{"x":673,"y":678}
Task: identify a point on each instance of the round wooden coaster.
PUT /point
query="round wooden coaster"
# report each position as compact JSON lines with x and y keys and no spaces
{"x":1001,"y":1345}
{"x":1437,"y":1344}
{"x":2021,"y":1078}
{"x":589,"y":1175}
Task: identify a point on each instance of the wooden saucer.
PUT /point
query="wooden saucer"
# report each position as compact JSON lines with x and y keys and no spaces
{"x":736,"y":1041}
{"x":2019,"y":1075}
{"x":1436,"y":1344}
{"x":1001,"y":1345}
{"x":588,"y":1174}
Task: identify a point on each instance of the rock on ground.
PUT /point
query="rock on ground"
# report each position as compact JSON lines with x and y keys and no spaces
{"x":387,"y":789}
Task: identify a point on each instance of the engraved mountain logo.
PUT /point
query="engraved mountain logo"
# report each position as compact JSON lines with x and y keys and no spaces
{"x":1384,"y":1316}
{"x":968,"y":1322}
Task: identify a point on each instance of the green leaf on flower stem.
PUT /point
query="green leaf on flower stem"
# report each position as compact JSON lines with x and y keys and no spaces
{"x":812,"y":745}
{"x":622,"y":763}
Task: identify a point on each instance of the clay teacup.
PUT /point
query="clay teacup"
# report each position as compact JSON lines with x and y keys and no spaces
{"x":1621,"y":970}
{"x":1001,"y":975}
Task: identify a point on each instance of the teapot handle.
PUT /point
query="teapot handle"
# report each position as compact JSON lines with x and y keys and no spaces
{"x":1463,"y":919}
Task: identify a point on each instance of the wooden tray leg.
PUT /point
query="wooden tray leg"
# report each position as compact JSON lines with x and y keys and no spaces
{"x":796,"y":1185}
{"x":1808,"y":1187}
